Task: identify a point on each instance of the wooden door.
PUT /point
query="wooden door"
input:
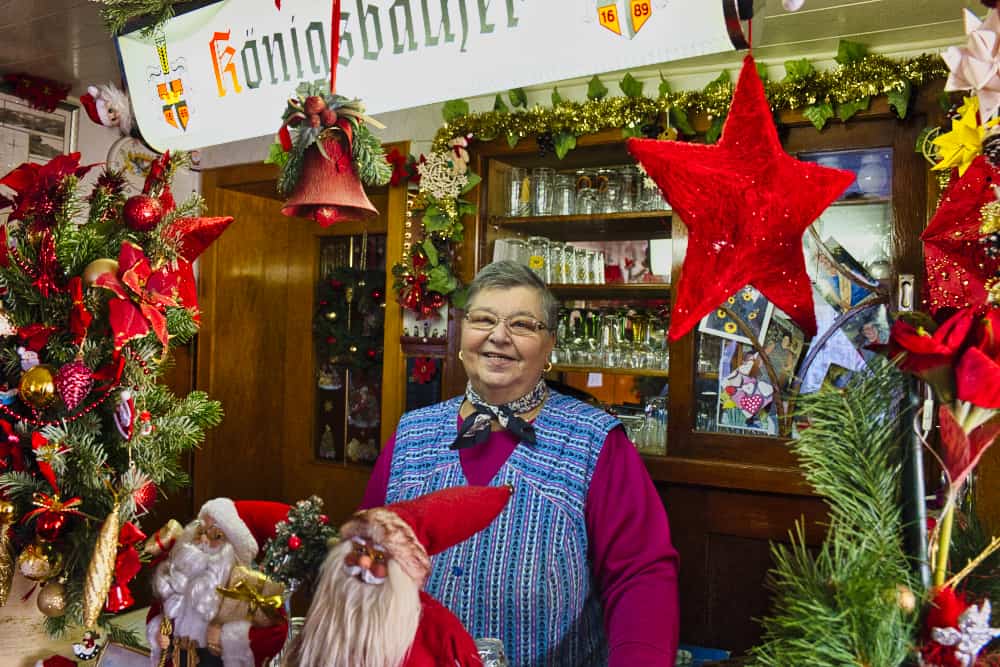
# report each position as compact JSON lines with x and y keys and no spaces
{"x":255,"y":350}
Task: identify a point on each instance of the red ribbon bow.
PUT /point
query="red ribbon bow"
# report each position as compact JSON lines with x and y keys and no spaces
{"x":79,"y":318}
{"x":127,"y":566}
{"x":142,"y":296}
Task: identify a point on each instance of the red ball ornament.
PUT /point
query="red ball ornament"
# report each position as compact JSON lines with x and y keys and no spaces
{"x":142,"y":213}
{"x":372,"y":353}
{"x":323,"y":519}
{"x":50,"y":525}
{"x":145,"y":496}
{"x":376,"y":294}
{"x":294,"y":542}
{"x":314,"y":104}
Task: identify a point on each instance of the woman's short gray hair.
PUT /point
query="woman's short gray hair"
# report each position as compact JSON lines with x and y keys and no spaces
{"x":507,"y":275}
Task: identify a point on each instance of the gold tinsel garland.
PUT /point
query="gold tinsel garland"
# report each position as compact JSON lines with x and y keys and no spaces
{"x":869,"y":76}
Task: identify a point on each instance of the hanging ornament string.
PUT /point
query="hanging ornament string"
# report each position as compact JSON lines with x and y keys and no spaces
{"x":334,"y":46}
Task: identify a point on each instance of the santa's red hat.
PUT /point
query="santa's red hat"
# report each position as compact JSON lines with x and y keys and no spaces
{"x":414,"y":530}
{"x":261,"y":517}
{"x":89,"y":103}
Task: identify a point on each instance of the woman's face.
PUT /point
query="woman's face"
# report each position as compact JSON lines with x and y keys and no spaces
{"x":501,"y":365}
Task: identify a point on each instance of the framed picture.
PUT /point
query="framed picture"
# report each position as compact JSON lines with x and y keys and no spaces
{"x":837,"y":276}
{"x":750,"y":306}
{"x":783,"y":345}
{"x":119,"y":655}
{"x":30,"y":135}
{"x":746,"y":394}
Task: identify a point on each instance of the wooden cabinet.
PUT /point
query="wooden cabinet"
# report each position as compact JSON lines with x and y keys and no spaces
{"x":728,"y":477}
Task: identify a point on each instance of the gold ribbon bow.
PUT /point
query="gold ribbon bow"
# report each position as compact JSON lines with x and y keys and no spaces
{"x":245,"y":592}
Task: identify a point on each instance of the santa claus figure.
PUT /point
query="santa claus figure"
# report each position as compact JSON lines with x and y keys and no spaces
{"x":108,"y":106}
{"x":368,"y":609}
{"x":224,"y":535}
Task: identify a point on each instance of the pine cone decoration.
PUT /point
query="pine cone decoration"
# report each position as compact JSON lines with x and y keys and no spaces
{"x":73,"y":382}
{"x":101,"y":569}
{"x":991,"y":148}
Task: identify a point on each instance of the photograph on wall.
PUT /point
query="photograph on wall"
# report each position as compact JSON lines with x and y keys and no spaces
{"x":750,"y":306}
{"x":838,"y":277}
{"x":746,"y":394}
{"x":868,"y":329}
{"x":783,"y":345}
{"x":30,"y":135}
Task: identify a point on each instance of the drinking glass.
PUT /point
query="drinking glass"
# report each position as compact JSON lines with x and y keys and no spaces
{"x":517,"y":251}
{"x":655,"y":428}
{"x":582,"y":268}
{"x":586,"y":201}
{"x":491,"y":652}
{"x":565,"y":195}
{"x":542,"y":186}
{"x":557,"y":262}
{"x":627,"y":200}
{"x":538,"y":256}
{"x":518,"y":192}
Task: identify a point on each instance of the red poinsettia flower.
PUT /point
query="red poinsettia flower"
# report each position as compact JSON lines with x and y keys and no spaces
{"x":141,"y":294}
{"x":38,"y":188}
{"x":40,"y":93}
{"x":35,"y":336}
{"x":424,"y":370}
{"x":977,"y":375}
{"x":925,"y":351}
{"x":961,"y":450}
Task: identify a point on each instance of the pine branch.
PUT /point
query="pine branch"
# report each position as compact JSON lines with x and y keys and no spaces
{"x":373,"y":169}
{"x":839,"y":605}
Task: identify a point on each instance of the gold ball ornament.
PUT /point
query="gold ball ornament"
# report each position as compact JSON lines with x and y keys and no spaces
{"x":52,"y":599}
{"x":96,"y":268}
{"x":37,"y":387}
{"x":6,"y":513}
{"x":332,"y":316}
{"x":39,"y":562}
{"x":352,"y":349}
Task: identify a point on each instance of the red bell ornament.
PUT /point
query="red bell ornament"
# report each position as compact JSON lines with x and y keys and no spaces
{"x":119,"y":599}
{"x":329,"y":190}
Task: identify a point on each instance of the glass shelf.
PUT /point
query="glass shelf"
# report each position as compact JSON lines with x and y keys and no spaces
{"x":612,"y":291}
{"x":643,"y":372}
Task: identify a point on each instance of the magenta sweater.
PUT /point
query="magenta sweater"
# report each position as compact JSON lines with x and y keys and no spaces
{"x":634,"y":563}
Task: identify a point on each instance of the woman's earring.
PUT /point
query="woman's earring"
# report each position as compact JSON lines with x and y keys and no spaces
{"x":548,"y":367}
{"x":460,"y":357}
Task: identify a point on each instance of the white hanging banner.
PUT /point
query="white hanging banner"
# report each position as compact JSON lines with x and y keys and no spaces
{"x":223,"y":72}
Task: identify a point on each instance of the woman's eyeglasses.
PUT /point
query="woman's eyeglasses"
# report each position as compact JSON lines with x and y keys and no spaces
{"x":517,"y":325}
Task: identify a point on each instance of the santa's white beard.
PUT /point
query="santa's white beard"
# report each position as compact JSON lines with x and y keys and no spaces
{"x":354,"y":624}
{"x":186,"y":584}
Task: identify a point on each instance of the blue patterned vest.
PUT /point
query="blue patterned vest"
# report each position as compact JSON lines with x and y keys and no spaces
{"x":526,"y":578}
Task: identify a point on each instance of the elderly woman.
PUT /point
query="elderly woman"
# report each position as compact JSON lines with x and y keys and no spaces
{"x":579,"y":568}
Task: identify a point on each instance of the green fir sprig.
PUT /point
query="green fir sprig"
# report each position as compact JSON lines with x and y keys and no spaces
{"x":853,"y":600}
{"x":294,"y":555}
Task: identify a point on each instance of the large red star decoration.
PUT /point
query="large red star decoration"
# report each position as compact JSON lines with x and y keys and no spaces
{"x":746,"y":203}
{"x":956,"y":263}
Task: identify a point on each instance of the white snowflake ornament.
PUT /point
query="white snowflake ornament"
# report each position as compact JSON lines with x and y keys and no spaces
{"x":439,"y":177}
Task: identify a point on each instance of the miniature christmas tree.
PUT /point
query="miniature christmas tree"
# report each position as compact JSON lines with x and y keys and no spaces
{"x":94,"y":292}
{"x":299,"y":546}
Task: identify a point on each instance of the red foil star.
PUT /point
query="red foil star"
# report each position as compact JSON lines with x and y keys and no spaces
{"x":956,"y":263}
{"x":746,"y":203}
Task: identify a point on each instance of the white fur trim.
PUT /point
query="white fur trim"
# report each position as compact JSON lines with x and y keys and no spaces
{"x":153,"y":636}
{"x":236,"y":644}
{"x":223,"y":512}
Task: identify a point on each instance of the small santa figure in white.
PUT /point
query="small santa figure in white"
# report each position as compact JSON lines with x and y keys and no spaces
{"x":108,"y":106}
{"x":368,"y":609}
{"x":225,"y":535}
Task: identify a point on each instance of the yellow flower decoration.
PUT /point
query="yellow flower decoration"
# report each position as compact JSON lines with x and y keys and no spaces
{"x":752,"y":315}
{"x":729,"y":327}
{"x":731,"y":299}
{"x":960,"y":146}
{"x":536,"y":262}
{"x":747,"y":296}
{"x":721,"y":314}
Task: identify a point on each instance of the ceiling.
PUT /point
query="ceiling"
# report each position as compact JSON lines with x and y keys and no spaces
{"x":66,"y":40}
